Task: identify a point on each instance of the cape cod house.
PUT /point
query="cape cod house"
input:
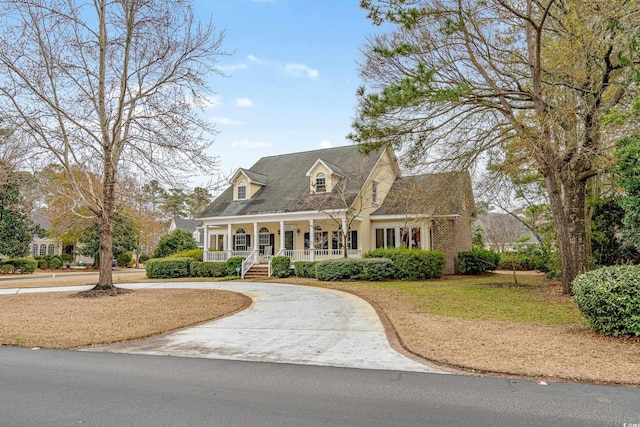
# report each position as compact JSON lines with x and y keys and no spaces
{"x":323,"y":204}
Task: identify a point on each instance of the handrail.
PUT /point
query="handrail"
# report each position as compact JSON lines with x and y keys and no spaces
{"x":249,"y":262}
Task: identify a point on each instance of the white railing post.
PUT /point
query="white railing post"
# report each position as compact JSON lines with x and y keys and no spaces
{"x":249,"y":262}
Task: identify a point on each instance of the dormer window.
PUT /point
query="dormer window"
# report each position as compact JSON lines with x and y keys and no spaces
{"x":242,"y":190}
{"x":321,"y":183}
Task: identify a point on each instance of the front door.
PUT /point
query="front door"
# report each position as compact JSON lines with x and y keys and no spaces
{"x":288,"y":240}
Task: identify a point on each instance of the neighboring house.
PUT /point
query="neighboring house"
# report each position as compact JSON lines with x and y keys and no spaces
{"x":301,"y":204}
{"x":44,"y":245}
{"x":503,"y":232}
{"x":193,"y":226}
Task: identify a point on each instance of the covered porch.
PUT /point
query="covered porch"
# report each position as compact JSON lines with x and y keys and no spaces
{"x":311,"y":238}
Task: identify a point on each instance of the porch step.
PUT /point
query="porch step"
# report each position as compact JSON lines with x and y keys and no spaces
{"x":258,"y":270}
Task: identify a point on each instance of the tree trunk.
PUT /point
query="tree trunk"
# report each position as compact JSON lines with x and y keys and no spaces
{"x":568,"y":207}
{"x":105,"y":280}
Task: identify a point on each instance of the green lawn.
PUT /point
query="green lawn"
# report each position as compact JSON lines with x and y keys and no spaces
{"x":492,"y":297}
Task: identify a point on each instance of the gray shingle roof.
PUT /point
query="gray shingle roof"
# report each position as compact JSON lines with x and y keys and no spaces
{"x":189,"y":225}
{"x":447,"y":193}
{"x":287,"y":184}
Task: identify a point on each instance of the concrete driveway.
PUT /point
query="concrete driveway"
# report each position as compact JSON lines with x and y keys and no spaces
{"x":285,"y":324}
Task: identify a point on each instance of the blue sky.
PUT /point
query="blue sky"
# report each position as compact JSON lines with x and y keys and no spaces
{"x":292,"y":76}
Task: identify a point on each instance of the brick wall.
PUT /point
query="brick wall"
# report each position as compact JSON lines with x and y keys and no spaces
{"x":452,"y":235}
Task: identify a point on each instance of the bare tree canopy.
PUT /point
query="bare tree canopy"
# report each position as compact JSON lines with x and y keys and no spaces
{"x":528,"y":80}
{"x":104,"y":86}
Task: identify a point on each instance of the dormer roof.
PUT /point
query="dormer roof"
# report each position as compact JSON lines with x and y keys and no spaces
{"x":252,"y":177}
{"x":333,"y":169}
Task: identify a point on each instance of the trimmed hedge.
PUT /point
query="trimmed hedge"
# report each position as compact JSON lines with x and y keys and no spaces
{"x":337,"y":270}
{"x":477,"y":261}
{"x":124,"y":259}
{"x":168,"y":268}
{"x":208,"y":269}
{"x":412,"y":264}
{"x":233,"y":263}
{"x":281,"y":266}
{"x":49,"y":262}
{"x":22,"y":265}
{"x":144,"y":258}
{"x":196,"y":254}
{"x":305,"y":269}
{"x":346,"y":269}
{"x":377,"y":269}
{"x":609,"y":298}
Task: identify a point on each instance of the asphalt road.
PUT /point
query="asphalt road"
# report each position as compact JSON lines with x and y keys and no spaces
{"x":64,"y":388}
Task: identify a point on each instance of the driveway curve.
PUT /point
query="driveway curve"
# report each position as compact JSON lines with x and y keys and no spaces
{"x":285,"y":324}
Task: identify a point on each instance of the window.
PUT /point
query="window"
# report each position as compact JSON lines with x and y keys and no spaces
{"x":353,"y":239}
{"x":196,"y":236}
{"x":265,"y":241}
{"x":242,"y":190}
{"x":321,"y":183}
{"x":374,"y":193}
{"x":385,"y":237}
{"x":52,"y":250}
{"x":240,"y":240}
{"x":34,"y":250}
{"x":43,"y":250}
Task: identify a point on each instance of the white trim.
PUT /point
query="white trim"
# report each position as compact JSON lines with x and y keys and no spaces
{"x":240,"y":171}
{"x":331,"y":171}
{"x":270,"y":217}
{"x":410,"y":216}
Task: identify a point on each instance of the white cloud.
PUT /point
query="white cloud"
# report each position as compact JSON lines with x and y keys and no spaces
{"x":298,"y":70}
{"x":245,"y":143}
{"x":226,"y":121}
{"x":233,"y":67}
{"x":325,"y":144}
{"x":253,"y":58}
{"x":244,"y":103}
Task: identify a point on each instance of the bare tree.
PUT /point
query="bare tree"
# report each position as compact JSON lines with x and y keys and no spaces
{"x":108,"y":85}
{"x":529,"y":79}
{"x":346,"y":201}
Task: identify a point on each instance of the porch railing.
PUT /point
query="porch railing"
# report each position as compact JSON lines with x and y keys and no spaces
{"x":318,"y":254}
{"x":249,"y":262}
{"x":223,"y":256}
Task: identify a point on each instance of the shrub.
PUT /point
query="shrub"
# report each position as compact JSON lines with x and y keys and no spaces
{"x":609,"y":298}
{"x":6,"y":268}
{"x":144,"y":258}
{"x":168,"y":268}
{"x":281,"y":266}
{"x":377,"y":269}
{"x":196,"y":254}
{"x":339,"y":270}
{"x":305,"y":269}
{"x":55,"y":263}
{"x":66,"y":258}
{"x":208,"y":269}
{"x":176,"y":241}
{"x":22,"y":265}
{"x":124,"y":259}
{"x":412,"y":264}
{"x":477,"y":261}
{"x":233,"y":263}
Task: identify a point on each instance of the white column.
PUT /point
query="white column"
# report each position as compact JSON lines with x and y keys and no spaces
{"x":206,"y":240}
{"x":281,"y":235}
{"x":229,"y":239}
{"x":397,"y":234}
{"x":410,"y":241}
{"x":255,"y":236}
{"x":343,"y":238}
{"x":312,"y":236}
